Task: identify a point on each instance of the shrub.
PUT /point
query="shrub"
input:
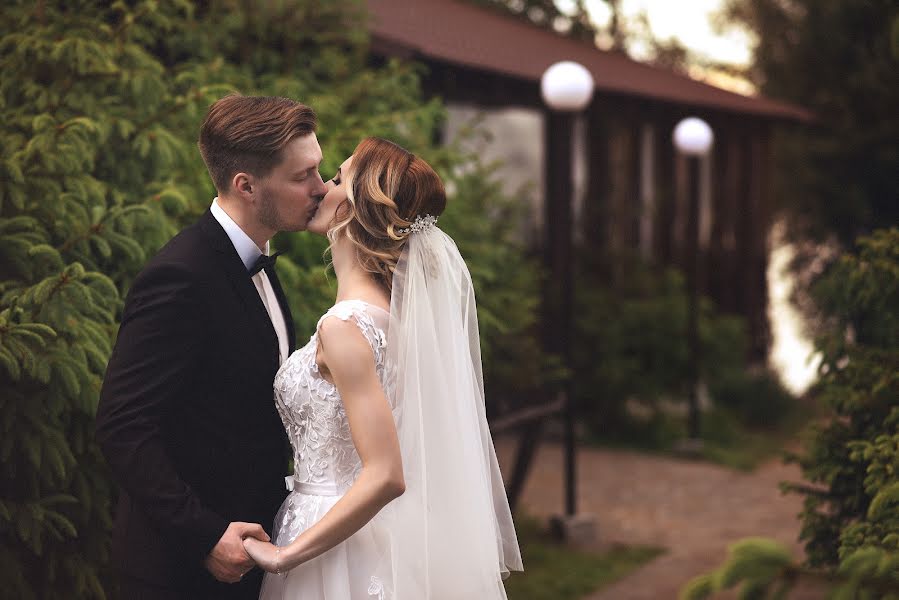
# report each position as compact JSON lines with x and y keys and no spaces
{"x":631,"y":343}
{"x":850,"y":519}
{"x":854,"y":456}
{"x":757,"y":399}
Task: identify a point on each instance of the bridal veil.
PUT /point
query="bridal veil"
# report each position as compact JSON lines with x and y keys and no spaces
{"x":450,"y":535}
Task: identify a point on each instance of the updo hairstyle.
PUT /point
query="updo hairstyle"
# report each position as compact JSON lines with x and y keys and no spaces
{"x":387,"y":187}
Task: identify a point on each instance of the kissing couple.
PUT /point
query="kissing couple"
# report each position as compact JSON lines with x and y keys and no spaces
{"x":395,"y":493}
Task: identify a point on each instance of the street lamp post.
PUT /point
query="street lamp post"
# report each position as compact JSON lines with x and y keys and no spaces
{"x":567,"y":88}
{"x":693,"y":137}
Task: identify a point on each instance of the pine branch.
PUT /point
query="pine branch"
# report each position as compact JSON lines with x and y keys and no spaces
{"x":93,"y":230}
{"x":174,"y":108}
{"x":808,"y":490}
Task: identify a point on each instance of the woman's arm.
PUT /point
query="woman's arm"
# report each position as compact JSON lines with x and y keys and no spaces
{"x":350,"y":361}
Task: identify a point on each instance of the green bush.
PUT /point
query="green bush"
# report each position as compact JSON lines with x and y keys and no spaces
{"x":631,"y":343}
{"x":100,"y":104}
{"x":850,"y":519}
{"x":485,"y":223}
{"x":757,"y":399}
{"x":854,"y":457}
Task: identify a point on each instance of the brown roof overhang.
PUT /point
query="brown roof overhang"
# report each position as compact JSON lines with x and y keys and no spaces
{"x":460,"y":33}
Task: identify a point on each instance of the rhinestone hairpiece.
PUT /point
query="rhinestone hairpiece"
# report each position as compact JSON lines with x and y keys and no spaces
{"x":421,"y":223}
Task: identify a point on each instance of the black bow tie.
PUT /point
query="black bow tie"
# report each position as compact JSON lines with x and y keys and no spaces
{"x":264,"y":262}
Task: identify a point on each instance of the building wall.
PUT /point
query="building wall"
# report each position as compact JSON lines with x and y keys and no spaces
{"x":635,"y":198}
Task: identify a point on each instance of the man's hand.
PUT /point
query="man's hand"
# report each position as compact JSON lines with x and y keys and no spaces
{"x":228,"y":561}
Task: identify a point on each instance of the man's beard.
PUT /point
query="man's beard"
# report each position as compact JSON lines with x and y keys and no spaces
{"x":269,"y":216}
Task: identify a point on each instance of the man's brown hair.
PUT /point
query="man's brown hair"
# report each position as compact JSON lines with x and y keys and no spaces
{"x":248,"y":133}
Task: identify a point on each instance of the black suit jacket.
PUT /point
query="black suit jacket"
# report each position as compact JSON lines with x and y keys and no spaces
{"x":186,"y":418}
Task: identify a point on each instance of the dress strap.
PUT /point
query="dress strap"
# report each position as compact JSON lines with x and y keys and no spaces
{"x":356,"y":310}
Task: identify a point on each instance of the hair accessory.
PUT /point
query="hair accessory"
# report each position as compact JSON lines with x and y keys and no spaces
{"x":421,"y":223}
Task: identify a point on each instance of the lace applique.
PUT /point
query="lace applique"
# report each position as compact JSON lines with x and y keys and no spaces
{"x":314,"y":417}
{"x":376,"y":588}
{"x":293,"y":518}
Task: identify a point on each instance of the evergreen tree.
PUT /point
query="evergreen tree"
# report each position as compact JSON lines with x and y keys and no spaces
{"x":839,"y":59}
{"x":855,"y":456}
{"x":575,"y":23}
{"x":101,"y":104}
{"x":850,"y":521}
{"x":91,"y":183}
{"x":622,"y":33}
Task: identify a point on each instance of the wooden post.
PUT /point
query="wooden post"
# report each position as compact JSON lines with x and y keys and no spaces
{"x":730,"y":283}
{"x":717,"y":262}
{"x":666,"y":191}
{"x":527,"y":447}
{"x":595,"y":219}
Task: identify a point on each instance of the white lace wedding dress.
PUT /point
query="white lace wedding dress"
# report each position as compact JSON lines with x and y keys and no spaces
{"x":325,"y":466}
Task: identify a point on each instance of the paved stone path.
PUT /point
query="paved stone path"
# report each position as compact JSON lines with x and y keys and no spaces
{"x":693,"y":509}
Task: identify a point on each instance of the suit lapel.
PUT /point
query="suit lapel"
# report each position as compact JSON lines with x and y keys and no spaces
{"x":241,"y":281}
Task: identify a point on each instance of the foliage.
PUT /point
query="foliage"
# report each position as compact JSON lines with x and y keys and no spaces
{"x":726,"y":438}
{"x":92,"y":182}
{"x":632,"y":345}
{"x":729,"y":441}
{"x":101,"y":103}
{"x":627,"y":34}
{"x":763,"y":569}
{"x":484,"y":222}
{"x":316,"y":52}
{"x":850,"y":521}
{"x":837,"y":58}
{"x":556,"y":571}
{"x":758,"y":399}
{"x":546,"y":14}
{"x":855,"y":455}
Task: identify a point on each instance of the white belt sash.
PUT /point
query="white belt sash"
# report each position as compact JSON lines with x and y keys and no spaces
{"x":312,"y":489}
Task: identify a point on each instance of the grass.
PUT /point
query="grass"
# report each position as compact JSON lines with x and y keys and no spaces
{"x":554,"y":571}
{"x":726,"y":440}
{"x":732,"y":444}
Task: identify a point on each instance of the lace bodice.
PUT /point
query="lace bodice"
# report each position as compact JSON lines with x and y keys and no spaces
{"x":325,"y":459}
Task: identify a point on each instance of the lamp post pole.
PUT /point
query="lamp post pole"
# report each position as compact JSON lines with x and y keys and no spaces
{"x":567,"y":88}
{"x":693,"y":137}
{"x":557,"y":291}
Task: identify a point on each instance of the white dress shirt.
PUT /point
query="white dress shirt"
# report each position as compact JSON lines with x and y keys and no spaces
{"x":249,"y":252}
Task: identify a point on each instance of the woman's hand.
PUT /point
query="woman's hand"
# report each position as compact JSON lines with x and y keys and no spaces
{"x":266,"y":554}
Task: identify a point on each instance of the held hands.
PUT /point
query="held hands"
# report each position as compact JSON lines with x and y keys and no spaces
{"x":228,"y":561}
{"x":266,"y":555}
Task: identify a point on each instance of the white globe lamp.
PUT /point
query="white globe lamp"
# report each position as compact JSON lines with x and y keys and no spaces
{"x":693,"y":136}
{"x":567,"y":86}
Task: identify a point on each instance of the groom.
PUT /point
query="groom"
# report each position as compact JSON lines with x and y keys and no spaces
{"x":187,"y":419}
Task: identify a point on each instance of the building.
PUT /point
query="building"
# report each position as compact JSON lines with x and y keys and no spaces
{"x":633,"y":186}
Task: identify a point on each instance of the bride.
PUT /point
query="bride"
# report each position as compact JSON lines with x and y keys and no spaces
{"x":396,"y":493}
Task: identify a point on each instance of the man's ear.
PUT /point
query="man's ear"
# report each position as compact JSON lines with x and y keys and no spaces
{"x":242,"y":185}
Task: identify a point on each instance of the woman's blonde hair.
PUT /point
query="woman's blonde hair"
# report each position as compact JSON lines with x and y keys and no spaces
{"x":387,"y":187}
